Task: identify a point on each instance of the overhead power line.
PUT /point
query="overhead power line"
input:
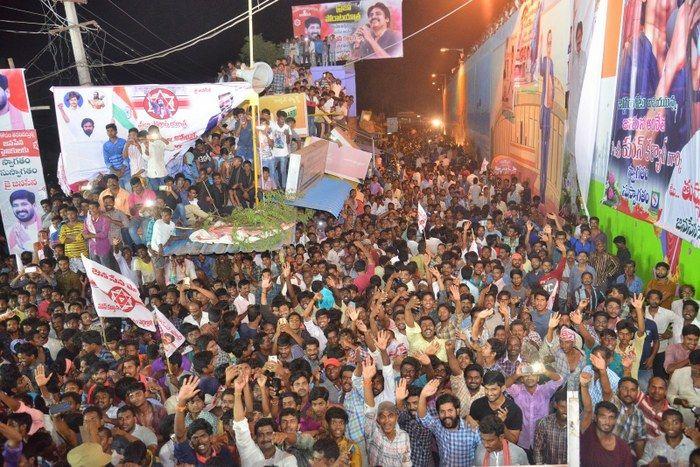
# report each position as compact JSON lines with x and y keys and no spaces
{"x":135,"y":20}
{"x":22,"y":11}
{"x":202,"y":37}
{"x":17,"y":31}
{"x":13,"y":21}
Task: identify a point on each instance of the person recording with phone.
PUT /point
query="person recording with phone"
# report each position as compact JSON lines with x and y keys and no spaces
{"x":527,"y":389}
{"x":154,"y":155}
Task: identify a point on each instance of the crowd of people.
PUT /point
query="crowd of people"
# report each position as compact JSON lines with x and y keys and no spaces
{"x":327,"y":100}
{"x":313,"y":50}
{"x":372,"y":339}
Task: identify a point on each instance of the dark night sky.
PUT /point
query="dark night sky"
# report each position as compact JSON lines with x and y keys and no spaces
{"x":383,"y":85}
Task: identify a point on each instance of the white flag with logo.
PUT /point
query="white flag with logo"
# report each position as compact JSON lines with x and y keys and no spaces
{"x":422,"y":218}
{"x":116,"y":296}
{"x":171,"y":338}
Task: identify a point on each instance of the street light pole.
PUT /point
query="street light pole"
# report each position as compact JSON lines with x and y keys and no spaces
{"x":444,"y":100}
{"x":250,"y":31}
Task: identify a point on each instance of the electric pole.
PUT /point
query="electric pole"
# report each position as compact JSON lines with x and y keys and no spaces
{"x":76,"y":40}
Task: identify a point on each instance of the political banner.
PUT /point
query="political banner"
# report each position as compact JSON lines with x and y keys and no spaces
{"x":294,"y":105}
{"x":14,"y":102}
{"x":523,"y":47}
{"x":182,"y":113}
{"x":355,"y":29}
{"x":22,"y":187}
{"x":116,"y":296}
{"x":585,"y":69}
{"x":653,"y":172}
{"x":170,"y":337}
{"x":517,"y":94}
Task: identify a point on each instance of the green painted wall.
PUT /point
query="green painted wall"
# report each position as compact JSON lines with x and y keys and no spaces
{"x":642,"y":241}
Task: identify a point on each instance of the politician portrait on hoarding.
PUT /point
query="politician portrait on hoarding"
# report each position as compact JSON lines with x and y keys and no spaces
{"x":376,"y":38}
{"x":11,"y":117}
{"x":313,"y":26}
{"x":24,"y":231}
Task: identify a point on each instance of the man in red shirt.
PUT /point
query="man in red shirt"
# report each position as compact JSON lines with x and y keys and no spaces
{"x":599,"y":446}
{"x":364,"y":268}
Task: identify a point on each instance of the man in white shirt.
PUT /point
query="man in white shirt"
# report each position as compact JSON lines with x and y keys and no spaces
{"x":262,"y":451}
{"x":133,"y":151}
{"x":672,"y":447}
{"x":244,"y":298}
{"x":179,"y":269}
{"x":164,"y":241}
{"x":154,"y":154}
{"x":196,"y":316}
{"x":281,"y":137}
{"x":669,"y":326}
{"x":130,"y":431}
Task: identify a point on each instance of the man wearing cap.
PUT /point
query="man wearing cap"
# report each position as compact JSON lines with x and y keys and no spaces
{"x":331,"y":381}
{"x":11,"y":118}
{"x":23,"y":233}
{"x":387,"y":444}
{"x":88,"y":455}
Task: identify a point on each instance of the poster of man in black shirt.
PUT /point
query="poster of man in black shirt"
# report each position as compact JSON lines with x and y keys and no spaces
{"x":376,"y":38}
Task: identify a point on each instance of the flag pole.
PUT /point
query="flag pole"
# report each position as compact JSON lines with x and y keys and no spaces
{"x":167,"y":360}
{"x":102,"y":331}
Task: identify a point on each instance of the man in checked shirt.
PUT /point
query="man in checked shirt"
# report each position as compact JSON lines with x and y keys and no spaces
{"x":421,"y":438}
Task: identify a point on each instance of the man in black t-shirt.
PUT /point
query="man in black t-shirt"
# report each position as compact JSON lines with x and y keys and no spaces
{"x":496,"y":402}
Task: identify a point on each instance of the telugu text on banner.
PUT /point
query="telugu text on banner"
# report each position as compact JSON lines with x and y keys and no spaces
{"x":356,"y":30}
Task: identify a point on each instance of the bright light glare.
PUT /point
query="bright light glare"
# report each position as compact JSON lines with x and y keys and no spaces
{"x":436,"y":122}
{"x":149,"y":203}
{"x":444,"y":49}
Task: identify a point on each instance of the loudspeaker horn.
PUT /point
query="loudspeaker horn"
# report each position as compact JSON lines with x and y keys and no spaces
{"x":260,"y":76}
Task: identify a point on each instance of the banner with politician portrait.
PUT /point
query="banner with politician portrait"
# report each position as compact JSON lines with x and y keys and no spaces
{"x":22,"y":187}
{"x":14,"y":102}
{"x":170,"y":337}
{"x":355,"y":29}
{"x":653,"y":172}
{"x":182,"y":113}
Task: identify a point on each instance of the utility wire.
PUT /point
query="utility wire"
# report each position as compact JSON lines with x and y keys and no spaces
{"x":197,"y":64}
{"x":21,"y":10}
{"x":227,"y":25}
{"x":133,"y":52}
{"x":17,"y":31}
{"x":12,"y":21}
{"x":202,"y":37}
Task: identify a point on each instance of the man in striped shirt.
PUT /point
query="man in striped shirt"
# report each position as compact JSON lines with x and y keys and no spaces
{"x":71,"y":236}
{"x":653,"y":404}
